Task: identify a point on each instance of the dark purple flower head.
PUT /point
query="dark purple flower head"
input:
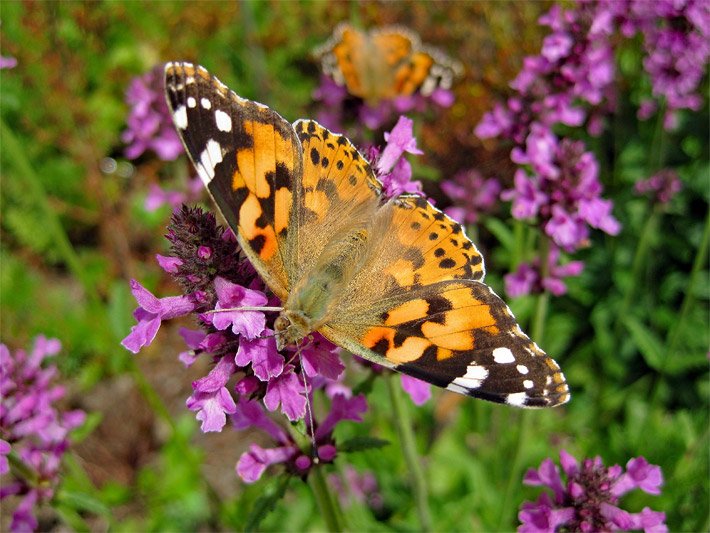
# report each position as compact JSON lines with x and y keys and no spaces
{"x":32,"y":427}
{"x":662,"y":186}
{"x":356,"y":487}
{"x":150,"y":126}
{"x":587,"y":497}
{"x":528,"y":279}
{"x":472,"y":195}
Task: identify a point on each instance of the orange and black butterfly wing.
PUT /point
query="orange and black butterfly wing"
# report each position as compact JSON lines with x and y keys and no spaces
{"x":419,"y":306}
{"x":250,"y":160}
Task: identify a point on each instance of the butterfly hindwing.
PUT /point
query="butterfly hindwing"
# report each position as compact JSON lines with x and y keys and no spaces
{"x":419,"y":306}
{"x":247,"y":156}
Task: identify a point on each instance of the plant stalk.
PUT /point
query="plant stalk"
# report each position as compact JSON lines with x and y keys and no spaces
{"x":406,"y":436}
{"x":329,"y":509}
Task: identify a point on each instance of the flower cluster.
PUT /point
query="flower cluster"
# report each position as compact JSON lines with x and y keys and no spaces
{"x":472,"y":195}
{"x":528,"y":278}
{"x":676,"y":38}
{"x":589,"y":499}
{"x":150,"y":126}
{"x":390,"y":165}
{"x":33,"y":432}
{"x":358,"y":487}
{"x":662,"y":186}
{"x":158,"y":196}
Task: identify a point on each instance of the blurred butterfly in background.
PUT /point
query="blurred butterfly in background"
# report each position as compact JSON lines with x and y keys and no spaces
{"x":395,"y":281}
{"x":384,"y":63}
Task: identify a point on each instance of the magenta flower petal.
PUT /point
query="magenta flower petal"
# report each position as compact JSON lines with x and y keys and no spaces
{"x":230,"y":295}
{"x":320,"y":358}
{"x":419,"y":391}
{"x":400,"y":140}
{"x":251,"y":414}
{"x":266,"y":361}
{"x":286,"y":390}
{"x":639,"y":475}
{"x":251,"y":464}
{"x":342,"y":408}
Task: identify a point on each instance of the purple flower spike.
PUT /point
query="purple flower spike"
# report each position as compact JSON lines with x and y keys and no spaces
{"x":250,"y":324}
{"x":150,"y":314}
{"x":588,"y":500}
{"x":30,"y":420}
{"x":150,"y":126}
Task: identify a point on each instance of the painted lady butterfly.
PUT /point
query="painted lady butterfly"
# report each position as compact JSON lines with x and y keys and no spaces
{"x":385,"y":63}
{"x":394,"y":281}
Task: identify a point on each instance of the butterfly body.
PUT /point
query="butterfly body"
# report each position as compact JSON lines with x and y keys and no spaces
{"x":395,"y":281}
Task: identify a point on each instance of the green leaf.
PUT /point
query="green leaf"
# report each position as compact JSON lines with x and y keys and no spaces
{"x":361,"y":443}
{"x":81,"y":501}
{"x":647,"y":342}
{"x":266,"y":503}
{"x":502,"y":232}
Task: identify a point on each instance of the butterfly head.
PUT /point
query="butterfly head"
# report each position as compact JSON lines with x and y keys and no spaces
{"x":291,"y":328}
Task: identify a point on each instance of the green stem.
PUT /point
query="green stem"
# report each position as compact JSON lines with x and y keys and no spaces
{"x":329,"y":510}
{"x":689,"y":299}
{"x":537,"y":325}
{"x":644,"y":244}
{"x":516,"y":467}
{"x":406,"y":436}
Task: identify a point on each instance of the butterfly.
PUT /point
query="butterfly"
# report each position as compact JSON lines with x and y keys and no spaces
{"x":395,"y":281}
{"x":385,"y":63}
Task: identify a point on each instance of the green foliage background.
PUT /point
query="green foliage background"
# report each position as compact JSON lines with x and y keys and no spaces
{"x":631,"y":335}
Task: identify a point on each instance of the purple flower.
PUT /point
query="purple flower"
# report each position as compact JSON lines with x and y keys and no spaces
{"x":158,"y":196}
{"x":393,"y":170}
{"x":528,"y":278}
{"x":400,"y":140}
{"x":150,"y":126}
{"x":320,"y":358}
{"x":472,"y":195}
{"x":419,"y":391}
{"x":34,"y":429}
{"x":250,"y":324}
{"x":286,"y":390}
{"x":588,"y":500}
{"x":211,"y":399}
{"x":7,"y":62}
{"x":266,"y":361}
{"x":150,"y":313}
{"x":354,"y":486}
{"x":662,"y":186}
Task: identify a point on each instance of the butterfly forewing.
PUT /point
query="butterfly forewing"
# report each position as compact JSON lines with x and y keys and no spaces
{"x":248,"y":157}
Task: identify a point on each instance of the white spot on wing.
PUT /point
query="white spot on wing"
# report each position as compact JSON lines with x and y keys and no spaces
{"x":516,"y":398}
{"x":223,"y":120}
{"x":206,"y":104}
{"x":503,"y":356}
{"x":528,"y":384}
{"x":475,"y":374}
{"x":209,"y":158}
{"x":180,"y":117}
{"x":522,"y":369}
{"x":191,"y":102}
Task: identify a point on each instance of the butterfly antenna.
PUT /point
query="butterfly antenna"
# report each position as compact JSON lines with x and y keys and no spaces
{"x":248,"y":308}
{"x":309,"y":409}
